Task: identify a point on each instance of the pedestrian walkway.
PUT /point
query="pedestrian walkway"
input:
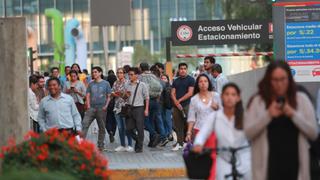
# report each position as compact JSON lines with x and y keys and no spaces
{"x":152,"y":163}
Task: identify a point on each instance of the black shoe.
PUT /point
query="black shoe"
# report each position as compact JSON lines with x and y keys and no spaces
{"x":111,"y":138}
{"x":150,"y":142}
{"x":139,"y":150}
{"x":156,"y":140}
{"x":164,"y":142}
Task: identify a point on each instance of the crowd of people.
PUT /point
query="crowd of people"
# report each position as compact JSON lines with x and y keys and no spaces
{"x":206,"y":110}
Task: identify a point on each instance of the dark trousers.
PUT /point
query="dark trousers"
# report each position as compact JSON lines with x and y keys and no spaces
{"x":135,"y":126}
{"x":111,"y":123}
{"x":180,"y":123}
{"x":35,"y":126}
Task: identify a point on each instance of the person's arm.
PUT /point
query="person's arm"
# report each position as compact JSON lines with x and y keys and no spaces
{"x":88,"y":101}
{"x":76,"y":116}
{"x":83,"y":90}
{"x":191,"y":119}
{"x":88,"y":94}
{"x":145,"y":93}
{"x":34,"y":105}
{"x":187,"y":95}
{"x":256,"y":119}
{"x":173,"y":97}
{"x":304,"y":117}
{"x":205,"y":132}
{"x":41,"y":117}
{"x":108,"y":91}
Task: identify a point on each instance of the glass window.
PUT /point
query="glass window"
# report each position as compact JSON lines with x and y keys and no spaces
{"x":1,"y":8}
{"x":65,"y":7}
{"x":13,"y":8}
{"x":167,"y":13}
{"x":46,"y":27}
{"x":185,"y":10}
{"x":204,"y":9}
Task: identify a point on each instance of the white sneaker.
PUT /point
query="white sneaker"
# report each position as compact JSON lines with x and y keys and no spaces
{"x":129,"y":149}
{"x":120,"y":149}
{"x":177,"y":147}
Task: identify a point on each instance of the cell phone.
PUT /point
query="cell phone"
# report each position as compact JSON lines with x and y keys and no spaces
{"x":281,"y":101}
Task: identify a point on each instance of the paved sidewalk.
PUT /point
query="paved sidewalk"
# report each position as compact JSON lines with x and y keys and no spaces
{"x":159,"y":157}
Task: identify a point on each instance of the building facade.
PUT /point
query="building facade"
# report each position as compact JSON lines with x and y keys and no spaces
{"x":150,"y":24}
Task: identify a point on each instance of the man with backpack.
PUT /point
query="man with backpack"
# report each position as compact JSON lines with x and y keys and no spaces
{"x":153,"y":122}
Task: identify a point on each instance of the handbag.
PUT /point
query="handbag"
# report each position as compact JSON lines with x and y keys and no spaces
{"x":198,"y":164}
{"x":126,"y":111}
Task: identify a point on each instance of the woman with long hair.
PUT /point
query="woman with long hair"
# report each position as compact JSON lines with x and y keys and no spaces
{"x":77,"y":90}
{"x":82,"y":76}
{"x":118,"y":92}
{"x":279,"y":122}
{"x":228,"y":127}
{"x":205,"y":101}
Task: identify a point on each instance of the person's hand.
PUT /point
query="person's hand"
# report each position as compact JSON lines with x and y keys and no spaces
{"x":105,"y":108}
{"x":68,"y":91}
{"x":189,"y":137}
{"x":75,"y":90}
{"x":88,"y":106}
{"x":146,"y":113}
{"x":214,"y":106}
{"x":275,"y":109}
{"x":288,"y":110}
{"x":197,"y":148}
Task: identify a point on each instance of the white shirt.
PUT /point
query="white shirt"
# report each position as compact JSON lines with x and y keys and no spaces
{"x":33,"y":105}
{"x":221,"y":80}
{"x":198,"y":110}
{"x":227,"y":136}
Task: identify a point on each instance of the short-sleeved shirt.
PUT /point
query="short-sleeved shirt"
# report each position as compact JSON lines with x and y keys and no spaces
{"x":182,"y":84}
{"x":142,"y":93}
{"x":98,"y":93}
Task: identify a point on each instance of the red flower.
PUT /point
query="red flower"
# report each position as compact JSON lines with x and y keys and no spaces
{"x":41,"y":157}
{"x":1,"y":155}
{"x":82,"y":167}
{"x":31,"y":134}
{"x":97,"y":172}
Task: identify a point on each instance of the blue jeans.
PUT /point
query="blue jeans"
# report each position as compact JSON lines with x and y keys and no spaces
{"x":122,"y":130}
{"x":167,"y":120}
{"x":154,"y":122}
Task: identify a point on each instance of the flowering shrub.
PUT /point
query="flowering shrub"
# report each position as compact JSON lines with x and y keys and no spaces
{"x":55,"y":151}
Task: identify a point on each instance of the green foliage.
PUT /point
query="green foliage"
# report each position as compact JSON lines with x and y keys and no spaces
{"x":34,"y":174}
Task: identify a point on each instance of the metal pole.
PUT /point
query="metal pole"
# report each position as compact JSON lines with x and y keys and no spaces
{"x":168,"y":49}
{"x":90,"y":36}
{"x":118,"y":41}
{"x":5,"y":8}
{"x":106,"y":45}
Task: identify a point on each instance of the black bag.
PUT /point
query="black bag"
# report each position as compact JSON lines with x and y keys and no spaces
{"x":198,"y":164}
{"x":126,"y":111}
{"x":315,"y":159}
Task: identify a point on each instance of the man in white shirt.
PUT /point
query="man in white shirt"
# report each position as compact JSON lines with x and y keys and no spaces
{"x":33,"y":103}
{"x":221,"y":80}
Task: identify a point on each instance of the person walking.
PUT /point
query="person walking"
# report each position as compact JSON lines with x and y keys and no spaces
{"x":279,"y":122}
{"x":208,"y":63}
{"x":33,"y":103}
{"x":58,"y":110}
{"x":220,"y":79}
{"x":111,"y":123}
{"x":41,"y":91}
{"x":166,"y":107}
{"x":227,"y":124}
{"x":182,"y":91}
{"x":82,"y":76}
{"x":77,"y":90}
{"x":55,"y":74}
{"x":154,"y":122}
{"x":138,"y":98}
{"x":66,"y":76}
{"x":97,"y":101}
{"x":203,"y":102}
{"x":118,"y":92}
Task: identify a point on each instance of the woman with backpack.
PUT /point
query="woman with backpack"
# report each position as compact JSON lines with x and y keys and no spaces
{"x":166,"y":110}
